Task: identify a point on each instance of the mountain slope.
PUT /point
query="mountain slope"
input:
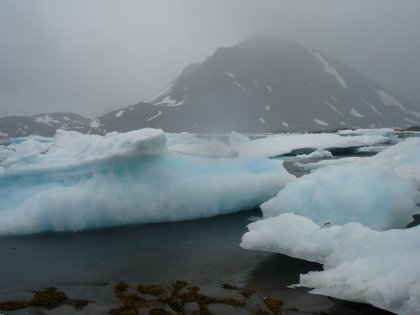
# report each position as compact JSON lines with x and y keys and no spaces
{"x":264,"y":85}
{"x":41,"y":124}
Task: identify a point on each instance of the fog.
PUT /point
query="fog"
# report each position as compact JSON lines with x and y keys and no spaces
{"x":89,"y":57}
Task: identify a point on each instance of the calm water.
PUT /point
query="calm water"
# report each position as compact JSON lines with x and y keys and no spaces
{"x":202,"y":251}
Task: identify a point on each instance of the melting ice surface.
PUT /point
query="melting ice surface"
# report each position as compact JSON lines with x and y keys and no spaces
{"x":340,"y":215}
{"x":88,"y":181}
{"x":360,"y":264}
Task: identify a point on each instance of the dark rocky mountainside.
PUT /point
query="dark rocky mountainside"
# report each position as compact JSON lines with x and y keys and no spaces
{"x":41,"y":124}
{"x":258,"y":85}
{"x":263,"y":85}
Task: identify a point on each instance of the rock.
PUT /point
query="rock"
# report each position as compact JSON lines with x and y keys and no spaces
{"x":224,"y":309}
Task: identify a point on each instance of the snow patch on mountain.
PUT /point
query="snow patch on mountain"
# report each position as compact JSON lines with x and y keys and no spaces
{"x":355,"y":113}
{"x":95,"y":124}
{"x":328,"y":68}
{"x":240,"y":85}
{"x":334,"y":108}
{"x":155,"y":116}
{"x":46,"y":120}
{"x":160,"y":94}
{"x":120,"y":113}
{"x":410,"y":120}
{"x":372,"y":107}
{"x":392,"y":101}
{"x":167,"y":101}
{"x":321,"y":122}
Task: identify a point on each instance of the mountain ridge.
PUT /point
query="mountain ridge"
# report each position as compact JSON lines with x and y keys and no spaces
{"x":264,"y":85}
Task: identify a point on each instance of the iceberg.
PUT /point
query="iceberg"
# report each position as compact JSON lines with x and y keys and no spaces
{"x":360,"y":264}
{"x":317,"y":154}
{"x":380,"y":191}
{"x":346,"y":216}
{"x":81,"y":181}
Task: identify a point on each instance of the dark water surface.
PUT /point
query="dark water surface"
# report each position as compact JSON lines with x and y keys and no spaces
{"x":201,"y":251}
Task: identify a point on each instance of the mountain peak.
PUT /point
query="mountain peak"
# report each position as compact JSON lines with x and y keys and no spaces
{"x":265,"y":84}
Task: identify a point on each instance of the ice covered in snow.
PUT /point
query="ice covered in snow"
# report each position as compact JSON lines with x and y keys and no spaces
{"x":236,"y":139}
{"x":281,"y":144}
{"x":386,"y":132}
{"x":3,"y":134}
{"x":372,"y":149}
{"x":267,"y":107}
{"x":189,"y":144}
{"x":317,"y":154}
{"x":21,"y":152}
{"x":380,"y":191}
{"x":360,"y":264}
{"x":90,"y":181}
{"x":230,"y":74}
{"x":328,"y":68}
{"x":261,"y":120}
{"x":353,"y":193}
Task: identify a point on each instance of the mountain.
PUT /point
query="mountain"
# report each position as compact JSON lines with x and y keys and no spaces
{"x":265,"y":85}
{"x":41,"y":124}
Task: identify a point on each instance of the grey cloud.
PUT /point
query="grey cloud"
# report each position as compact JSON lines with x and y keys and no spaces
{"x":92,"y":56}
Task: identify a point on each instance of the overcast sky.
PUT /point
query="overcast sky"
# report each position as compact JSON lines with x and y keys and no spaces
{"x":91,"y":56}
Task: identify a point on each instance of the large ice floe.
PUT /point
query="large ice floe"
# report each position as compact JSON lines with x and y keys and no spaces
{"x":82,"y":181}
{"x":380,"y":191}
{"x":360,"y":264}
{"x":351,"y":217}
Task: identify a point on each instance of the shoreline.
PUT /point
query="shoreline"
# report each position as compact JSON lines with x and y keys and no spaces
{"x":182,"y":297}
